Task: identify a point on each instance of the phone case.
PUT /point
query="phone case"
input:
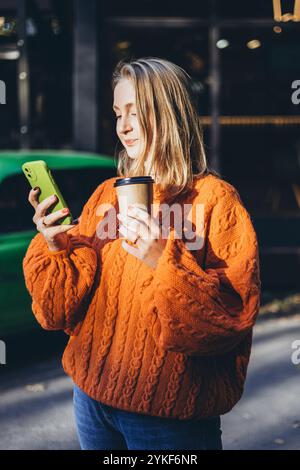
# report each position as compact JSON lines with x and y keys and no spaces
{"x":38,"y":174}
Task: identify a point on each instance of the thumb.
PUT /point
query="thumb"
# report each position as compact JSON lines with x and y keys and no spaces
{"x":66,"y":228}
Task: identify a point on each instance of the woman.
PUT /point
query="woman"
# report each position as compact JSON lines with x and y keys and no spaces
{"x":160,"y":331}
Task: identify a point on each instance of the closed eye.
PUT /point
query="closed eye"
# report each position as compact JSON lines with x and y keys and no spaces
{"x":132,"y":114}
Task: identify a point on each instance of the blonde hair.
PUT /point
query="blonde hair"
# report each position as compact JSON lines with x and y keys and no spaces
{"x":167,"y":113}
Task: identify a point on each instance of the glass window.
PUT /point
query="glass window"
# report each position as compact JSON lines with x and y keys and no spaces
{"x":260,"y":143}
{"x":9,"y":126}
{"x":167,"y":8}
{"x":187,"y":47}
{"x":247,"y":9}
{"x":49,"y":29}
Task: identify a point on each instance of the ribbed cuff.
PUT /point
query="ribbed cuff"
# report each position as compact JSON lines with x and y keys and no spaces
{"x":64,"y":251}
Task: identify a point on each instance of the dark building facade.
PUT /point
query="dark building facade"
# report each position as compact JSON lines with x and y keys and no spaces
{"x":56,"y":60}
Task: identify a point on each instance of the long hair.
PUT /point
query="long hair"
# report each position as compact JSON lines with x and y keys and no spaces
{"x":167,"y":113}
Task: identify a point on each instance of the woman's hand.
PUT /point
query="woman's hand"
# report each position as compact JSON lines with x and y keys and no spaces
{"x":143,"y":230}
{"x":54,"y":234}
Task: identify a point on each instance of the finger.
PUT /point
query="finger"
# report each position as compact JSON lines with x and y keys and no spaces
{"x":50,"y":219}
{"x":127,"y":233}
{"x":45,"y":204}
{"x":33,"y":196}
{"x":130,"y":222}
{"x":151,"y":231}
{"x":144,"y":217}
{"x":139,"y":228}
{"x":135,"y":225}
{"x":52,"y":232}
{"x":65,"y":228}
{"x":140,"y":214}
{"x":55,"y":229}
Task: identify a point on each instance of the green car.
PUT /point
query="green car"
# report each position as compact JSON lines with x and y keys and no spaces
{"x":77,"y":175}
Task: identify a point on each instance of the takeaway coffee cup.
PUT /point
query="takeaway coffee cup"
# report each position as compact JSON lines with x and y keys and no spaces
{"x":134,"y":190}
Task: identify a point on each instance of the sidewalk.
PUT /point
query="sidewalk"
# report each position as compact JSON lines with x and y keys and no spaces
{"x":268,"y":415}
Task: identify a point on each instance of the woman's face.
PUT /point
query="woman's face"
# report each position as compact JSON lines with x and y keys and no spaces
{"x":127,"y":124}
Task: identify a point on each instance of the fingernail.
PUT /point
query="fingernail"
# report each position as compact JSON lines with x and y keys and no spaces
{"x":65,"y":210}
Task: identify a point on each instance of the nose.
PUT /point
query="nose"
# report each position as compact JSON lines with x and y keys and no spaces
{"x":125,"y":125}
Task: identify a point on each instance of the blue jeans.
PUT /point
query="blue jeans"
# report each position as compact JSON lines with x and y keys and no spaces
{"x":103,"y":427}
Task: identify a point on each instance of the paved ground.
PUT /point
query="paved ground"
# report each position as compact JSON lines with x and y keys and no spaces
{"x":36,"y":400}
{"x":268,"y":415}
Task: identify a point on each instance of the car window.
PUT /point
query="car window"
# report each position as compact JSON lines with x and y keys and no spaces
{"x":76,"y":186}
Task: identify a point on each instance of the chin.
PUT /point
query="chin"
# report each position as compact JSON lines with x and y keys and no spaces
{"x":132,"y":155}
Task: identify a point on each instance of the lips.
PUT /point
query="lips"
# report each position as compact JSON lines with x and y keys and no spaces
{"x":130,"y":142}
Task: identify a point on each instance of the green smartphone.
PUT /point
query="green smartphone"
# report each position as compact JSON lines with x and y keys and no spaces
{"x":38,"y":174}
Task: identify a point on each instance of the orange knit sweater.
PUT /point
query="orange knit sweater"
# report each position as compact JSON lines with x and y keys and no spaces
{"x":171,"y":342}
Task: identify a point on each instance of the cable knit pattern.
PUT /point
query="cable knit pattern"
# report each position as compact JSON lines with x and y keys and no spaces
{"x":172,"y":342}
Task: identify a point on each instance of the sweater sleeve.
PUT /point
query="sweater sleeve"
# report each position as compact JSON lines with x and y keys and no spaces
{"x":59,"y":282}
{"x":208,"y":310}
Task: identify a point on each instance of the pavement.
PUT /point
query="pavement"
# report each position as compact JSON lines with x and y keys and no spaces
{"x":36,"y":410}
{"x":268,"y":414}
